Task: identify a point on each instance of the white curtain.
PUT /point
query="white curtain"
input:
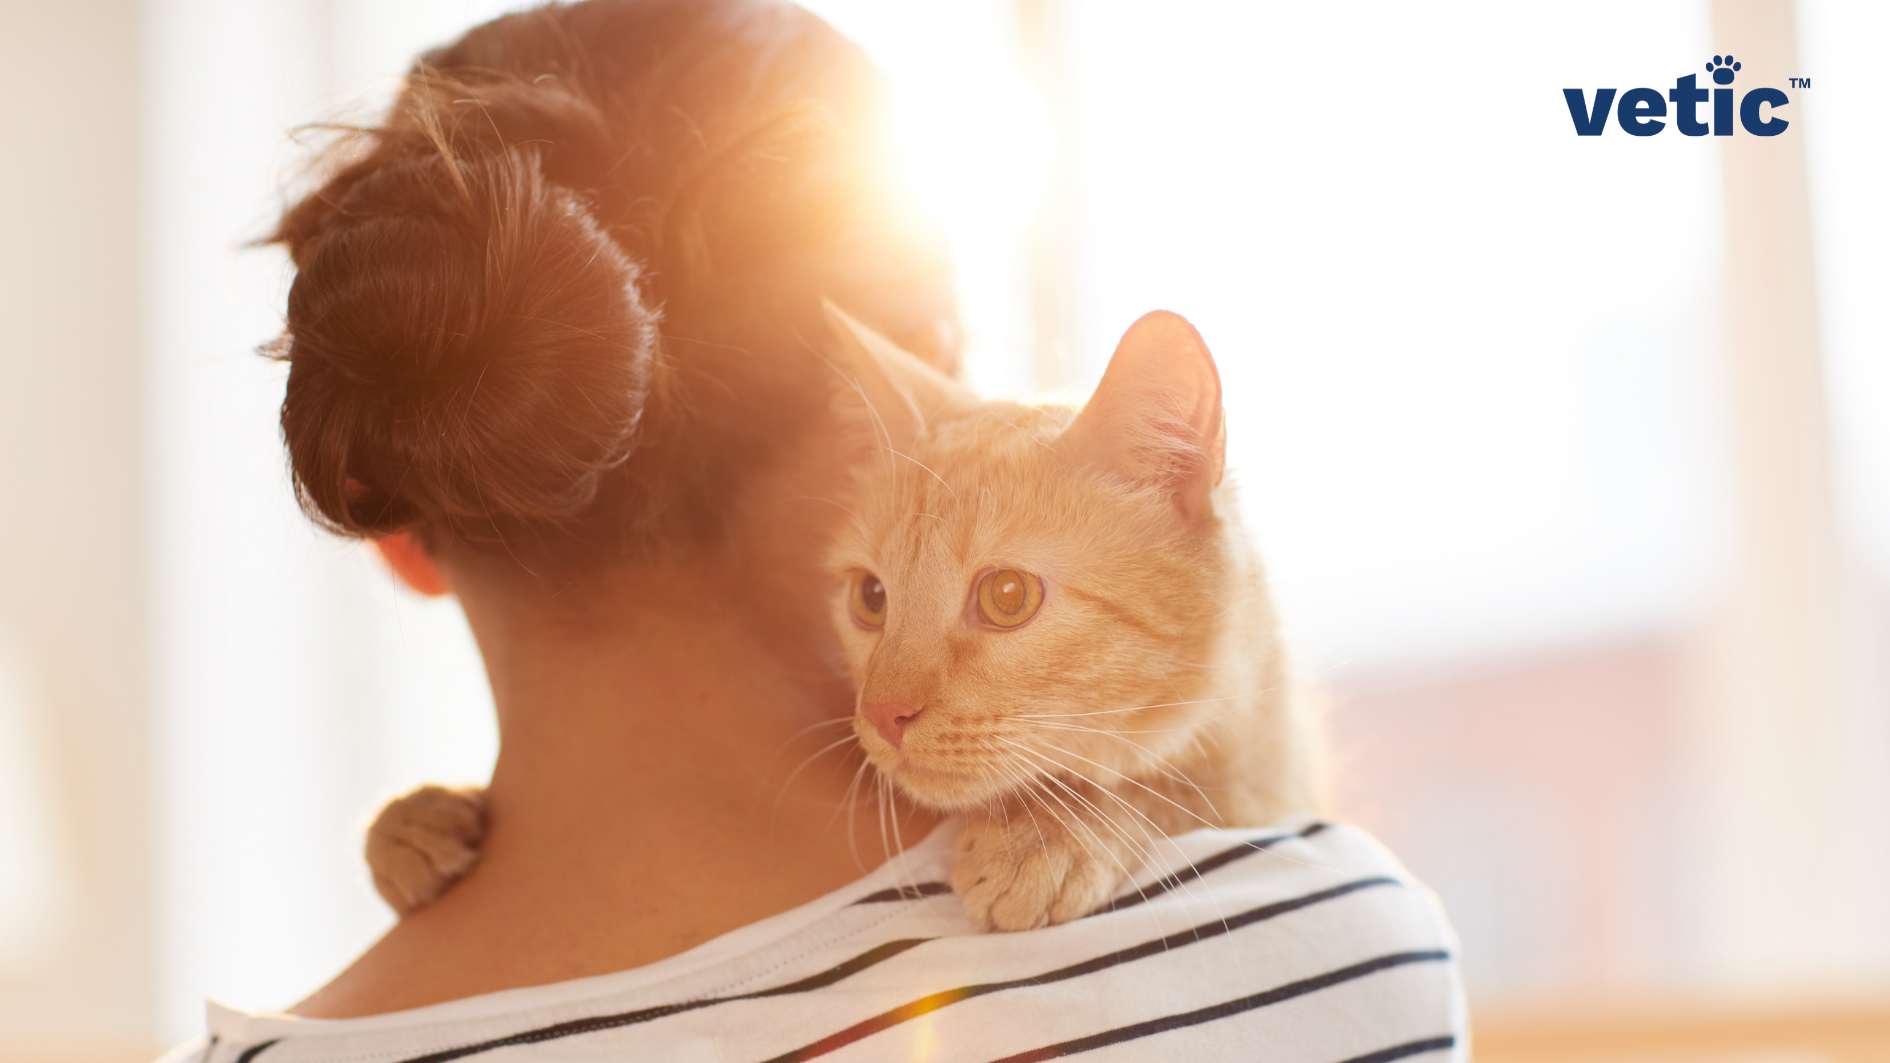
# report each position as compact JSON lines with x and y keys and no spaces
{"x":295,"y":686}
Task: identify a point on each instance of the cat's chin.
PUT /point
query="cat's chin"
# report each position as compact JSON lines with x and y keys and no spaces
{"x":940,"y":790}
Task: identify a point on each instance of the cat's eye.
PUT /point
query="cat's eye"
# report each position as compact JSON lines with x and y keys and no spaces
{"x":1008,"y":597}
{"x":866,"y":600}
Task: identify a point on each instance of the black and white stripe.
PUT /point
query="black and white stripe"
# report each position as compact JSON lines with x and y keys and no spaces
{"x":1225,"y":1009}
{"x":1193,"y":935}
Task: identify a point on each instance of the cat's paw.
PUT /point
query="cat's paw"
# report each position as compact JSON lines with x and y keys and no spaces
{"x":423,"y":842}
{"x":1020,"y":875}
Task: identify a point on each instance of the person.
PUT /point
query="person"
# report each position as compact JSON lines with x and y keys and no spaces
{"x":554,"y":346}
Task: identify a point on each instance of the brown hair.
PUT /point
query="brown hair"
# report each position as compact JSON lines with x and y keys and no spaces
{"x":567,"y":285}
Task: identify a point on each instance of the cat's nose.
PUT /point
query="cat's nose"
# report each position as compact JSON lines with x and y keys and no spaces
{"x":890,"y":718}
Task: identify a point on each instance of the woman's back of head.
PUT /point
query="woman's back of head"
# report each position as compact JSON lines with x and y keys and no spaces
{"x":566,"y":291}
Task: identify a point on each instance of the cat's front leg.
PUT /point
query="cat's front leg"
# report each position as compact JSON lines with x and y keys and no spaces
{"x":1028,"y":866}
{"x":423,"y":842}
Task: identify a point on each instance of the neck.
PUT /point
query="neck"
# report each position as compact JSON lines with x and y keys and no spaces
{"x":661,"y":780}
{"x":671,"y":745}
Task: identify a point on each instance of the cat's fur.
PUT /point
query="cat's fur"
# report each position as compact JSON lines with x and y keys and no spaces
{"x":1148,"y":692}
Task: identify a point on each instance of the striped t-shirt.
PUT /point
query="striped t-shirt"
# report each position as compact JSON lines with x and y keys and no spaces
{"x":1304,"y":942}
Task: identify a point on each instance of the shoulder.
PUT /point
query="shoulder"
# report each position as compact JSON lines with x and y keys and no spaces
{"x":1301,"y":869}
{"x":1304,"y":941}
{"x":1304,"y":865}
{"x":1309,"y":938}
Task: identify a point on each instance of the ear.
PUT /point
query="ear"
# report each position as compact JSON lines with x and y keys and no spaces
{"x":897,"y":390}
{"x":1156,"y":417}
{"x":410,"y":560}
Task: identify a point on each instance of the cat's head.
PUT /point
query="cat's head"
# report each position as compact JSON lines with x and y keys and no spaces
{"x":1024,"y":590}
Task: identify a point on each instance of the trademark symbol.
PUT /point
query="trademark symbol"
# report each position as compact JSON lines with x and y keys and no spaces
{"x":1801,"y":83}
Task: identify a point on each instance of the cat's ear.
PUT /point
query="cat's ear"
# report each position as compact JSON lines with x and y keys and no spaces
{"x":1156,"y":417}
{"x":894,"y":388}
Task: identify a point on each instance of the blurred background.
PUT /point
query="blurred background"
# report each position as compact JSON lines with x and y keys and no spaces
{"x":1570,"y":458}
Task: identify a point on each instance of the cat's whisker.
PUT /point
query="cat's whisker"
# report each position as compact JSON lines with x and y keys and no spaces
{"x":1053,"y":777}
{"x":908,"y":884}
{"x":1142,"y":752}
{"x":1035,"y":789}
{"x":879,"y":801}
{"x":853,"y":384}
{"x":849,"y":511}
{"x":928,"y":469}
{"x":836,"y":721}
{"x":791,"y":739}
{"x":1151,"y":831}
{"x":1075,"y":816}
{"x":1106,"y":820}
{"x":1042,"y":843}
{"x":816,"y":755}
{"x":1184,"y":883}
{"x":845,"y":802}
{"x":1181,"y":882}
{"x":1077,"y":796}
{"x":1040,"y":782}
{"x":1163,"y":797}
{"x":1131,"y":780}
{"x":1110,"y":712}
{"x":853,"y":835}
{"x":781,"y":792}
{"x":1116,"y":731}
{"x":1004,"y":766}
{"x":1156,"y":760}
{"x":1070,"y":826}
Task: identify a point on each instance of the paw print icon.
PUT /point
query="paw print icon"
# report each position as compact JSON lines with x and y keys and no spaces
{"x":1723,"y":69}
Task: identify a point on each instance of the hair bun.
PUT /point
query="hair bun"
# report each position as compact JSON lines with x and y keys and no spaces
{"x":467,"y":346}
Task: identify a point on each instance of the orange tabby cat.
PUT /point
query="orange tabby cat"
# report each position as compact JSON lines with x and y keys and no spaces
{"x":1057,"y":629}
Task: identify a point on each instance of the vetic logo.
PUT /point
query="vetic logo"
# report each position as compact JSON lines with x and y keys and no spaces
{"x":1642,"y":112}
